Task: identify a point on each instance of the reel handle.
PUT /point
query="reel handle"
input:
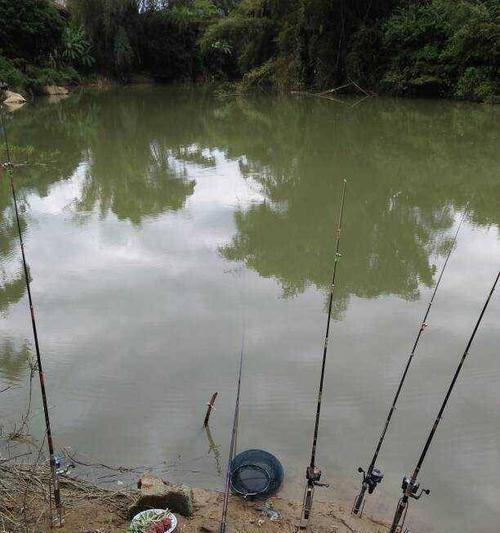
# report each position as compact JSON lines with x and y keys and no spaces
{"x":361,"y":470}
{"x":419,"y":495}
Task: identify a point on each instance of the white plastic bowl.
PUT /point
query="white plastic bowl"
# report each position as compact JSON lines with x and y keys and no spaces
{"x":161,"y":513}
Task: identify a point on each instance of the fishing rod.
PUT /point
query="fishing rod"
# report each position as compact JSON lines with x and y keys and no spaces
{"x":410,"y":486}
{"x":313,"y":473}
{"x":373,"y":475}
{"x":232,"y":447}
{"x":8,"y":166}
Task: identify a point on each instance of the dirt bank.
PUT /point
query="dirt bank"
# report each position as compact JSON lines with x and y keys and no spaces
{"x":91,"y":509}
{"x":94,"y":517}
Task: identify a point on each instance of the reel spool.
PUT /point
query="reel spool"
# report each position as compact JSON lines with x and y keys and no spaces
{"x":372,"y":479}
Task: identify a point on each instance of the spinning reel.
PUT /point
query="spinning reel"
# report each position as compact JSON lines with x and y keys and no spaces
{"x":372,"y":479}
{"x":313,"y":475}
{"x":411,"y":489}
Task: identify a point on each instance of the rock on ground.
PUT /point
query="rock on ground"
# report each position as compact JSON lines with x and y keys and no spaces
{"x":53,"y":90}
{"x":12,"y":98}
{"x":156,"y":494}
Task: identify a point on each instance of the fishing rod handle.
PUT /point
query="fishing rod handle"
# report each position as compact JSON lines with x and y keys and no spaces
{"x":358,"y":502}
{"x":307,"y":506}
{"x":398,"y":522}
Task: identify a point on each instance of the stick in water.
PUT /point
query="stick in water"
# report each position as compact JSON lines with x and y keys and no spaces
{"x":55,"y":481}
{"x":210,"y":406}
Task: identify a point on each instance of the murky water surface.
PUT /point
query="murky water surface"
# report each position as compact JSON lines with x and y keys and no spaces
{"x":160,"y":221}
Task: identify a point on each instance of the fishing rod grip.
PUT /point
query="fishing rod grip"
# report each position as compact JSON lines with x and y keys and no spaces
{"x":358,"y":502}
{"x":397,"y":526}
{"x":306,"y":506}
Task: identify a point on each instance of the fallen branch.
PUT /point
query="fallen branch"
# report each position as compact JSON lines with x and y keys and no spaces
{"x":334,"y":89}
{"x":327,"y":94}
{"x":368,"y":93}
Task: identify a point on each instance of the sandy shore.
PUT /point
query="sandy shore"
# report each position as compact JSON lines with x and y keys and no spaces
{"x":88,"y":508}
{"x":94,"y":516}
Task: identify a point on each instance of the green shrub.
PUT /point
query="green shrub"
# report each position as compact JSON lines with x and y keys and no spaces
{"x":30,"y":29}
{"x":365,"y":63}
{"x":76,"y":48}
{"x":35,"y":78}
{"x":218,"y":58}
{"x":475,"y":84}
{"x":123,"y":54}
{"x":442,"y":48}
{"x":251,"y":40}
{"x":260,"y":78}
{"x":38,"y":77}
{"x":10,"y":75}
{"x":170,"y":52}
{"x":113,"y":30}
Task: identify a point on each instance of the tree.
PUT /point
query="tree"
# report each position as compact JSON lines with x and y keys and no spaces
{"x":30,"y":29}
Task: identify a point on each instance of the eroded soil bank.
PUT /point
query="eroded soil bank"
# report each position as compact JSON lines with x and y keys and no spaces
{"x":99,"y":517}
{"x":91,"y":509}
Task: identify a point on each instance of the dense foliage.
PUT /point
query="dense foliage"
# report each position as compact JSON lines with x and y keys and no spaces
{"x":35,"y":45}
{"x":404,"y":47}
{"x":29,"y":29}
{"x":442,"y":47}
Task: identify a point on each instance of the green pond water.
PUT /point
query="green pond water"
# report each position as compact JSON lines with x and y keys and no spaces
{"x":161,"y":222}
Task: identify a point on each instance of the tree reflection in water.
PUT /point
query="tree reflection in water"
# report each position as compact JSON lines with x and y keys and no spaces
{"x":412,"y":166}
